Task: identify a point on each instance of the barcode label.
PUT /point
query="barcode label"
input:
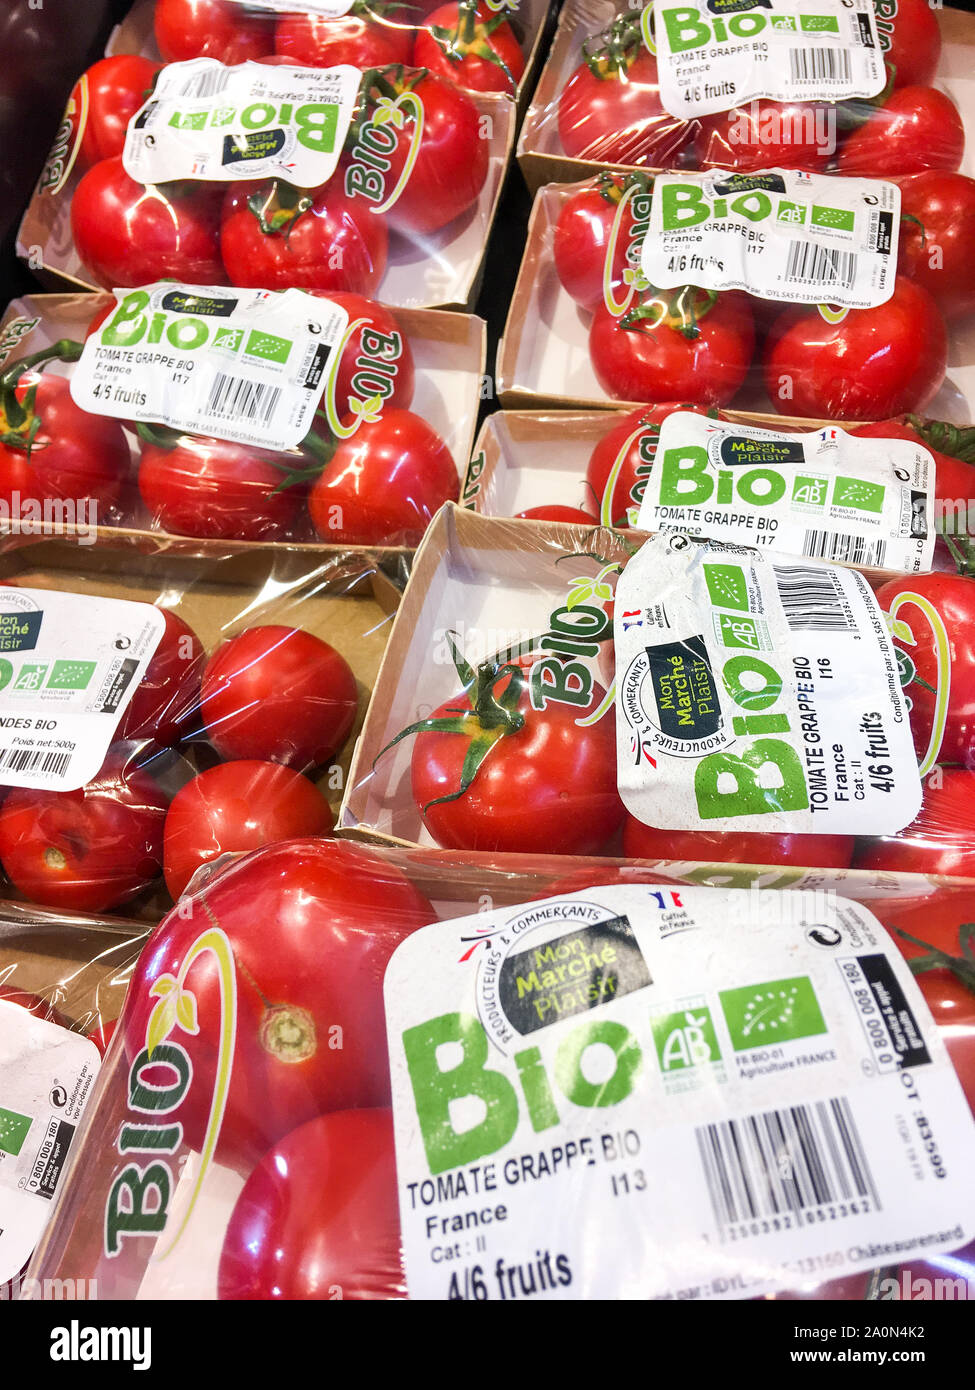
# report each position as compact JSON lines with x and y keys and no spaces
{"x":24,"y":760}
{"x":234,"y":397}
{"x":783,"y":1162}
{"x":846,"y":548}
{"x":811,"y":599}
{"x":808,"y":263}
{"x":206,"y":84}
{"x":820,"y":65}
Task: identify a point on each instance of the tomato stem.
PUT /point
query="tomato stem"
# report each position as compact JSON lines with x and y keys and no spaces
{"x":962,"y":967}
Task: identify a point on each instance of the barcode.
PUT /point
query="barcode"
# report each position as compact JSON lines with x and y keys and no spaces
{"x":785,"y":1161}
{"x":27,"y":760}
{"x":847,"y":549}
{"x":238,"y":398}
{"x":811,"y":599}
{"x":820,"y":265}
{"x":206,"y":84}
{"x":820,"y":65}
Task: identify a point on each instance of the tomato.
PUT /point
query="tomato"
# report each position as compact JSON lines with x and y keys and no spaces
{"x":128,"y":233}
{"x":736,"y":847}
{"x":117,"y":88}
{"x":583,"y":233}
{"x":451,"y":160}
{"x":934,"y":651}
{"x":319,"y":1216}
{"x":674,"y":343}
{"x":378,"y":359}
{"x":167,"y":699}
{"x":102,"y":1034}
{"x":910,"y":39}
{"x":363,"y":38}
{"x":941,"y":838}
{"x":610,"y":111}
{"x":873,"y":363}
{"x":234,"y":807}
{"x":491,"y":772}
{"x":574,"y":516}
{"x":34,"y":1004}
{"x":51,"y":449}
{"x":384,"y":484}
{"x":280,"y":695}
{"x":620,"y":464}
{"x":89,"y":849}
{"x":218,"y":489}
{"x":273,"y":236}
{"x":471,"y":45}
{"x":916,"y":128}
{"x":312,"y":925}
{"x":767,"y":135}
{"x":220,"y":29}
{"x":937,"y":233}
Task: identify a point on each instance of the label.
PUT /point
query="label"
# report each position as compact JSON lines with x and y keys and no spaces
{"x":46,"y":1075}
{"x":713,"y":55}
{"x":69,"y":665}
{"x":244,"y":365}
{"x":219,"y":124}
{"x":825,"y":494}
{"x":802,"y":238}
{"x":731,"y":1092}
{"x":325,"y":9}
{"x":757,"y":694}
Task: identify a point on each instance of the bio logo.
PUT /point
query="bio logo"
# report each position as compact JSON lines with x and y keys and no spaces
{"x":376,"y":139}
{"x":686,"y":204}
{"x":687,"y":480}
{"x":315,"y":123}
{"x":138,"y":1200}
{"x":638,"y":201}
{"x":187,"y":332}
{"x":576,"y":630}
{"x":373,"y":380}
{"x":773,"y":1012}
{"x":67,"y":142}
{"x":647,"y":450}
{"x":688,"y":28}
{"x":902,"y":632}
{"x":685,"y":1039}
{"x":472,"y":481}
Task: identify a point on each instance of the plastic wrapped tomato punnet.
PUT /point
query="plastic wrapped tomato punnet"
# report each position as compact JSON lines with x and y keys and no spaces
{"x":668,"y":87}
{"x":588,"y":327}
{"x":161,"y":709}
{"x":268,"y":175}
{"x":364,"y":457}
{"x":63,"y":978}
{"x":278,"y":1169}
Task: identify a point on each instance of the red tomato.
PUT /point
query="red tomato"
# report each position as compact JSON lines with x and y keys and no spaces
{"x":917,"y":128}
{"x":936,"y":237}
{"x":873,"y":363}
{"x":128,"y":233}
{"x":274,"y":237}
{"x":767,"y":135}
{"x":280,"y":695}
{"x":384,"y":484}
{"x":220,"y":29}
{"x":319,"y":1216}
{"x":674,"y":343}
{"x":621,"y":462}
{"x":72,"y":455}
{"x":364,"y":38}
{"x":541,"y":782}
{"x":736,"y":847}
{"x":451,"y":161}
{"x":582,"y":238}
{"x":922,"y":674}
{"x":941,"y":838}
{"x":117,"y":88}
{"x":377,"y":360}
{"x":167,"y":698}
{"x":573,"y":515}
{"x":910,"y":40}
{"x":234,"y":807}
{"x":471,"y":45}
{"x":89,"y":849}
{"x":218,"y":489}
{"x":312,"y":925}
{"x":102,"y":1034}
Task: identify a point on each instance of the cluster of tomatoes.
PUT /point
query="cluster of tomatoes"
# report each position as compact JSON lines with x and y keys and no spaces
{"x":705,"y":346}
{"x":610,"y":112}
{"x":379,"y":485}
{"x":267,"y":707}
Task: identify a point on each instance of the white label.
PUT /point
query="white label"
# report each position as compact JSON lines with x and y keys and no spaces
{"x":826,"y":494}
{"x":46,"y":1075}
{"x":327,"y":9}
{"x":713,"y":56}
{"x":802,"y":238}
{"x":206,"y":121}
{"x":244,"y":365}
{"x":757,"y":693}
{"x":69,"y":665}
{"x":643,"y":1093}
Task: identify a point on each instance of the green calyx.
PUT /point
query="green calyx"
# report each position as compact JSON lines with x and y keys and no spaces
{"x":20,"y":423}
{"x":469,"y":38}
{"x":612,"y":186}
{"x":611,"y":53}
{"x":962,"y":967}
{"x":278,"y":210}
{"x":680,"y":310}
{"x":948,"y":439}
